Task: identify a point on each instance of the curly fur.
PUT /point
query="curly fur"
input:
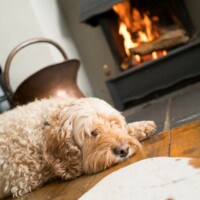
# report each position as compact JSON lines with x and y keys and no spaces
{"x":61,"y":138}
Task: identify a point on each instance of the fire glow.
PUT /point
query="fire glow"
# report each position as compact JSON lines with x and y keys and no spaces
{"x":137,"y":28}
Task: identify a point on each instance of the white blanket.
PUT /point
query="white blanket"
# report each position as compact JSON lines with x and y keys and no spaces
{"x":159,"y":178}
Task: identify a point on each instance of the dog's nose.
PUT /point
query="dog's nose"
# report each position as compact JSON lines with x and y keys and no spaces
{"x":121,"y":150}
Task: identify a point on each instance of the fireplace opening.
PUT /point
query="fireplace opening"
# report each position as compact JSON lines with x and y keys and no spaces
{"x":154,"y":43}
{"x":141,"y":30}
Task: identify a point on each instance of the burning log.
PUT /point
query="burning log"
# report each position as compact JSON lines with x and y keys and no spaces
{"x":166,"y":41}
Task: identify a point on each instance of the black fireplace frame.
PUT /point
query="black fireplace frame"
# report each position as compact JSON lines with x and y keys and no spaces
{"x":156,"y":78}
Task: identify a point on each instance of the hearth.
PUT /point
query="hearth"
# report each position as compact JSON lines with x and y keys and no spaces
{"x":155,"y":45}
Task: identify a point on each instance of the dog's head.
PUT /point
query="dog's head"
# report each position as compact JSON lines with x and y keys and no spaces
{"x":99,"y":133}
{"x":106,"y":147}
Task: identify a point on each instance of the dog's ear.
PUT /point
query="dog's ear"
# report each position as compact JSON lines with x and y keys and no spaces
{"x":60,"y":150}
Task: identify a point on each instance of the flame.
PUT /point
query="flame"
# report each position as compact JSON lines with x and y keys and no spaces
{"x":137,"y":58}
{"x":154,"y":55}
{"x":142,"y":37}
{"x":140,"y":26}
{"x":164,"y":52}
{"x":127,"y":38}
{"x":124,"y":11}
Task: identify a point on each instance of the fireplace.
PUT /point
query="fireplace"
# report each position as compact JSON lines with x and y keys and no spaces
{"x":155,"y":45}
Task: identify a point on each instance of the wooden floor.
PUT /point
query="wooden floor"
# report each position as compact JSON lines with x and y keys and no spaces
{"x":183,"y":141}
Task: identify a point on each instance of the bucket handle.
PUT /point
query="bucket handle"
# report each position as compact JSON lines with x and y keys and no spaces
{"x":17,"y":49}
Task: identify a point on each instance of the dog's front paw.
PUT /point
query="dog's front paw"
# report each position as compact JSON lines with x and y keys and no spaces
{"x":142,"y":129}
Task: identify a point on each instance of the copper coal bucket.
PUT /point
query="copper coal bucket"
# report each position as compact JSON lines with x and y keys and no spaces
{"x":54,"y":80}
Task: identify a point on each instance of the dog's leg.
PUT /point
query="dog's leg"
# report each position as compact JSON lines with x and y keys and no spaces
{"x":142,"y":129}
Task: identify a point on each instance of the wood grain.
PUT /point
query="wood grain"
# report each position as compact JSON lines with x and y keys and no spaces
{"x":185,"y":141}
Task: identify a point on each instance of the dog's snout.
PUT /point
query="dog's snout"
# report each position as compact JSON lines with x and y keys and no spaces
{"x":121,"y":150}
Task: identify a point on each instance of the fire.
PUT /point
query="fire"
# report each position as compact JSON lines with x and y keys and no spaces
{"x":154,"y":55}
{"x":137,"y":28}
{"x":127,"y":41}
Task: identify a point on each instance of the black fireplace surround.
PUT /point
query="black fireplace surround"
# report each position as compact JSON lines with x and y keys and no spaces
{"x":181,"y":66}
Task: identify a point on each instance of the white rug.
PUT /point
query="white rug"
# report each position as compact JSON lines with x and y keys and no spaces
{"x":159,"y":178}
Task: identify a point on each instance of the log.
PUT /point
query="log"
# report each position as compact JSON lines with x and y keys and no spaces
{"x":165,"y":42}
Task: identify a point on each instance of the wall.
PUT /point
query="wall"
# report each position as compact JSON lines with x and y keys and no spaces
{"x":24,"y":19}
{"x":54,"y":26}
{"x":193,"y":8}
{"x":92,"y":47}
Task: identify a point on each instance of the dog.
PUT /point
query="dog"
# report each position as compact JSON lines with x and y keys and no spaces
{"x":63,"y":138}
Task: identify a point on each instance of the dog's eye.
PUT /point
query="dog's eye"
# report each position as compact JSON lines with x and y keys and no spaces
{"x":94,"y":133}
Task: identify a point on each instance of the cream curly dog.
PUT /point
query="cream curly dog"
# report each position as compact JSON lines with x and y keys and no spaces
{"x":63,"y":138}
